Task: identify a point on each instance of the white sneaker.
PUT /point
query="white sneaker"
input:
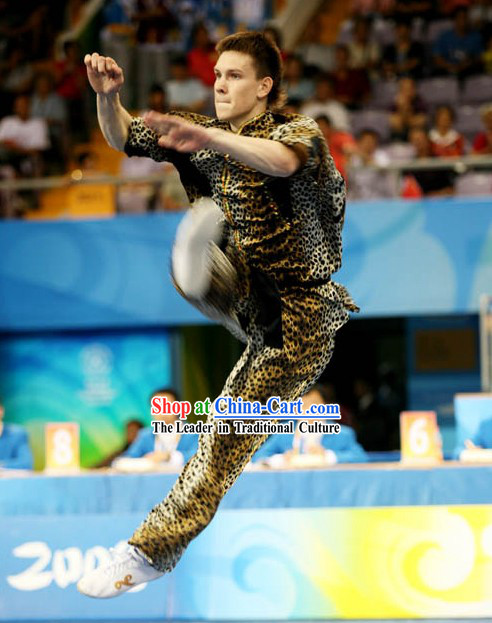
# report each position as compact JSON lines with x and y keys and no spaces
{"x":128,"y":568}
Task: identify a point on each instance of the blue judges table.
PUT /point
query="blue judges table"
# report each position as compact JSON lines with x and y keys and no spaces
{"x":391,"y":484}
{"x":351,"y":541}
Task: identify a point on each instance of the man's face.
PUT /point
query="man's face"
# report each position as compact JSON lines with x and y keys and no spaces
{"x":237,"y":90}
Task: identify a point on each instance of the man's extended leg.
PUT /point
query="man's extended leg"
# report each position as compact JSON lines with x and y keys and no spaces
{"x":309,"y":320}
{"x":262,"y":371}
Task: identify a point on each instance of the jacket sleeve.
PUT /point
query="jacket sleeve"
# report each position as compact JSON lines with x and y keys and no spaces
{"x":304,"y":137}
{"x":142,"y":141}
{"x":275,"y":444}
{"x":21,"y":456}
{"x":345,"y":446}
{"x":140,"y":447}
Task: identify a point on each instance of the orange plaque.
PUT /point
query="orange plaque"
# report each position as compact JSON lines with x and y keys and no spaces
{"x":62,"y":446}
{"x":420,"y":438}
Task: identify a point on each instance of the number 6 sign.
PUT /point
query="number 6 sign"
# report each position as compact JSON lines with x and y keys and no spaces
{"x":62,"y":446}
{"x":420,"y":439}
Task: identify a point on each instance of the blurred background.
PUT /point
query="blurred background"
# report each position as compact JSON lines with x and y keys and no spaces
{"x":391,"y":520}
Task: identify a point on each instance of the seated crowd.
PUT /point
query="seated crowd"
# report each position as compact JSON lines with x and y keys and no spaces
{"x":405,"y":81}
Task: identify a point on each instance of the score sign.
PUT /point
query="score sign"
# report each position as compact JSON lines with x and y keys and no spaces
{"x":62,"y":446}
{"x":420,"y":438}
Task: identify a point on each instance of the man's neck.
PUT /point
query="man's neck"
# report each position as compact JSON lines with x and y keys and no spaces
{"x":237,"y":124}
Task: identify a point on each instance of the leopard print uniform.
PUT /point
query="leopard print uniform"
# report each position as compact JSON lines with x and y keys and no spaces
{"x":270,"y":286}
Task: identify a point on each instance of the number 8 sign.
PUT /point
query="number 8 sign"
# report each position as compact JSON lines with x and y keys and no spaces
{"x":420,"y":438}
{"x":62,"y":446}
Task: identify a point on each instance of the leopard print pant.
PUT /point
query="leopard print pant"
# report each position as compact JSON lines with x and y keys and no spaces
{"x":284,"y":365}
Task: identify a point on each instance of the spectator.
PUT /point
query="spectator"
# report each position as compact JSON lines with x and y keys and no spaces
{"x":292,"y":107}
{"x":364,"y":53}
{"x":297,"y":86}
{"x":457,"y":51}
{"x":137,"y":197}
{"x":47,"y":105}
{"x":407,"y":111}
{"x":365,"y":182}
{"x":312,"y":51}
{"x":23,"y":139}
{"x":445,"y":141}
{"x":157,"y":99}
{"x":16,"y":76}
{"x":15,"y":452}
{"x":132,"y":428}
{"x":169,"y":449}
{"x":404,"y":57}
{"x":202,"y":56}
{"x":324,"y":103}
{"x":342,"y":145}
{"x":426,"y":182}
{"x":275,"y":35}
{"x":279,"y":450}
{"x":350,"y":86}
{"x":483,"y":141}
{"x":71,"y":79}
{"x":185,"y":93}
{"x":154,"y":20}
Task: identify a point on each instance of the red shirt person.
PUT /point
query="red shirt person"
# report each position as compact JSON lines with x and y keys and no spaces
{"x":445,"y":141}
{"x":341,"y":144}
{"x":202,"y":56}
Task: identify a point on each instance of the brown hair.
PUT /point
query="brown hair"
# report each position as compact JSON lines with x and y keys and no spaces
{"x":266,"y":58}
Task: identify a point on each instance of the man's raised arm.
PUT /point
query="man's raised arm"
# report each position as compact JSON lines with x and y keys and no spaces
{"x":106,"y":78}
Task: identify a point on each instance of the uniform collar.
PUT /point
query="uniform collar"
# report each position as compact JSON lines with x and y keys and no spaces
{"x":264,"y":117}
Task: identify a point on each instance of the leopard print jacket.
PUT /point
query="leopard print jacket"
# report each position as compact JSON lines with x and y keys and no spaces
{"x":288,"y":228}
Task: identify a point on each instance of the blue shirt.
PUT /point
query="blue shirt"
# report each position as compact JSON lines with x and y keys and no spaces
{"x":344,"y":445}
{"x":455,"y":49}
{"x":15,"y":452}
{"x":145,"y":443}
{"x":483,"y":436}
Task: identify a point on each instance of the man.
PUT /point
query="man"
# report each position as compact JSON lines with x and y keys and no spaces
{"x":23,"y":138}
{"x":457,"y":51}
{"x":185,"y":92}
{"x":365,"y":182}
{"x":266,"y":275}
{"x":342,"y":145}
{"x":282,"y":450}
{"x":132,"y":429}
{"x":15,"y":452}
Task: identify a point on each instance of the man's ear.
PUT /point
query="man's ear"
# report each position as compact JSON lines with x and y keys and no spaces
{"x":265,"y":86}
